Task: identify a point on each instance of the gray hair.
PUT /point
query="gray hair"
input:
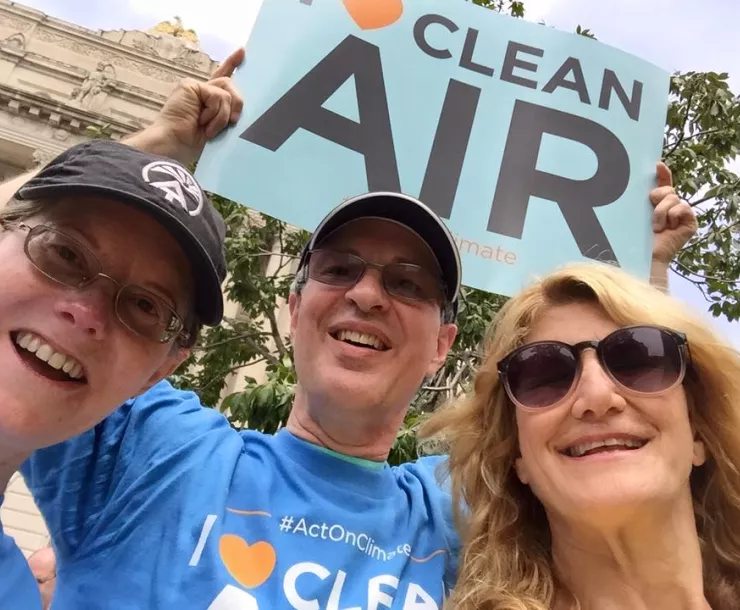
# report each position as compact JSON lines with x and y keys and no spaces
{"x":18,"y":210}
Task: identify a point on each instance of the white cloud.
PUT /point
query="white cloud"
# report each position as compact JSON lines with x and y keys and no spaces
{"x":538,"y":10}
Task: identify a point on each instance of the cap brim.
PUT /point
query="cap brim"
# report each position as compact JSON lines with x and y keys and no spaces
{"x":208,"y":296}
{"x":410,"y":213}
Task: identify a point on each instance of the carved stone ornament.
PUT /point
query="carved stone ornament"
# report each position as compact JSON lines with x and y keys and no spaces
{"x":41,"y":157}
{"x":15,"y":41}
{"x":114,"y":59}
{"x":12,"y":22}
{"x":95,"y":84}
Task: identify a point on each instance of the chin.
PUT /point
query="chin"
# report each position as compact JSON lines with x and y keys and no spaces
{"x":611,"y":504}
{"x":25,"y":430}
{"x":40,"y":419}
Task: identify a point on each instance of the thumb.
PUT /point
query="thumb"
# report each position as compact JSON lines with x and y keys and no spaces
{"x":663,"y":175}
{"x":231,"y":63}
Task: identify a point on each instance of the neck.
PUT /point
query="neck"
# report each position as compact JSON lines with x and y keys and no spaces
{"x":362,"y":434}
{"x":9,"y":465}
{"x":653,"y":563}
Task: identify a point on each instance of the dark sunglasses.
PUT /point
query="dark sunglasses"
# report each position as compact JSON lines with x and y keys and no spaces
{"x":403,"y":280}
{"x":644,"y":360}
{"x":65,"y":260}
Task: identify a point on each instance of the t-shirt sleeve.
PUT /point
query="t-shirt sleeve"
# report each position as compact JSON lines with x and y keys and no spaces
{"x":18,"y":588}
{"x":75,"y":482}
{"x":436,"y":466}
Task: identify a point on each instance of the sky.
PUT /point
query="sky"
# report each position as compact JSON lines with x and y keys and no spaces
{"x":674,"y":34}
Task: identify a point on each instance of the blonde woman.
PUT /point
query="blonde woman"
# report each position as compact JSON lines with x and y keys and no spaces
{"x":598,"y":454}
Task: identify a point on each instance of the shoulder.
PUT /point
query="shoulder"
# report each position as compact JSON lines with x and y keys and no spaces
{"x":18,"y":588}
{"x":431,"y":470}
{"x":165,"y":405}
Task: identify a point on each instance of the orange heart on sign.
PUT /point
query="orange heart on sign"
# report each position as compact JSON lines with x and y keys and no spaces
{"x":374,"y":14}
{"x":250,"y":566}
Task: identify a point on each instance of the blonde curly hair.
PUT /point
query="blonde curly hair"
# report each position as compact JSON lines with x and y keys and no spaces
{"x":506,"y":561}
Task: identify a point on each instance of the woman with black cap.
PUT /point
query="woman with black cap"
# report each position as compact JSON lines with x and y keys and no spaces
{"x":111,"y":260}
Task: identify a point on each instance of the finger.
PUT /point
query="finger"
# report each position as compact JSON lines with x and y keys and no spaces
{"x":658,"y":194}
{"x":664,"y":176}
{"x":211,"y":99}
{"x":220,"y":121}
{"x":682,"y":216}
{"x":236,"y":101}
{"x":231,"y":63}
{"x":660,"y":213}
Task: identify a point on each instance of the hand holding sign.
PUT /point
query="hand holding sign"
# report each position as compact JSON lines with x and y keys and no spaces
{"x":674,"y":221}
{"x":194,"y":113}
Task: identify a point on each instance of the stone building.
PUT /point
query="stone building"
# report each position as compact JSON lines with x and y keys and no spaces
{"x":61,"y":84}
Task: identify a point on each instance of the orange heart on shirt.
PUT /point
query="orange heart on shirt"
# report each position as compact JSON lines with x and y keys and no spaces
{"x":374,"y":14}
{"x":250,"y":566}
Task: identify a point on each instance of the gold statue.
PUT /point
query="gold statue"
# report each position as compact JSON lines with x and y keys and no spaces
{"x":175,"y":29}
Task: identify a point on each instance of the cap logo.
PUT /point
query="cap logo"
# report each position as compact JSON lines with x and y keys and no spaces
{"x":180,"y":187}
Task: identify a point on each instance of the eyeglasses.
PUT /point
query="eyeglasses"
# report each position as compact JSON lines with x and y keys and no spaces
{"x":644,"y":360}
{"x":65,"y":260}
{"x":403,"y":280}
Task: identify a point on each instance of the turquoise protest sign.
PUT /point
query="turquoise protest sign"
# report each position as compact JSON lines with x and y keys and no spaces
{"x":536,"y":146}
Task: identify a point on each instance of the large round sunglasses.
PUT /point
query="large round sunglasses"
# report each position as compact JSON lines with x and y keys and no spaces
{"x":403,"y":280}
{"x":65,"y":260}
{"x":644,"y":360}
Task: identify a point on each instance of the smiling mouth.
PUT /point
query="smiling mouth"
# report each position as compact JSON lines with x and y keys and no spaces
{"x":46,"y":361}
{"x":609,"y":445}
{"x":358,"y":339}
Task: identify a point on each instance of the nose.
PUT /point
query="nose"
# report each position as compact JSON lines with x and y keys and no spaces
{"x":369,"y":293}
{"x":88,"y":311}
{"x":596,"y":394}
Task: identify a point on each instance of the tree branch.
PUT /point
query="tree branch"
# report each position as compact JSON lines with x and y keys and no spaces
{"x":210,"y":346}
{"x":711,"y":278}
{"x":705,"y":199}
{"x":282,"y":350}
{"x":262,"y":350}
{"x":231,"y":371}
{"x":682,"y":133}
{"x":715,"y":233}
{"x":699,"y":134}
{"x":453,"y":383}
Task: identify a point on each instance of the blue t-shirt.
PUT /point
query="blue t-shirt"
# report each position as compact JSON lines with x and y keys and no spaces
{"x":164,"y":505}
{"x":18,"y":588}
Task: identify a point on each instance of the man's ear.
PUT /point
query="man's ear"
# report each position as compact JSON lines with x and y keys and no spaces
{"x":170,"y":365}
{"x":445,"y":339}
{"x":294,"y":303}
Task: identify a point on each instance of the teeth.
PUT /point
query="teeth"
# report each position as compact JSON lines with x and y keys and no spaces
{"x":44,"y":352}
{"x":361,"y":338}
{"x":582,"y":449}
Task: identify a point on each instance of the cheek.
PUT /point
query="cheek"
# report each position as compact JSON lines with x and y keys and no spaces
{"x":139,"y":358}
{"x":536,"y":432}
{"x":421,"y":329}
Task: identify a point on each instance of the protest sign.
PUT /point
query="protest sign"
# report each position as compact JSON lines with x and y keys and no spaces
{"x":536,"y":146}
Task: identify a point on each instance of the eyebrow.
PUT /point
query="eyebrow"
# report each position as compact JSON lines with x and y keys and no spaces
{"x":77,"y":233}
{"x":396,"y":259}
{"x":86,"y":236}
{"x":157,"y":287}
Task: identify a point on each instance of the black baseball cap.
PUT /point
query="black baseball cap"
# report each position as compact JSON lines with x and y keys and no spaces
{"x":157,"y":186}
{"x":407,"y":211}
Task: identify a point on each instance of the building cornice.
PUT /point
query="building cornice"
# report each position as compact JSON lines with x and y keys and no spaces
{"x":29,"y":22}
{"x":58,"y":115}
